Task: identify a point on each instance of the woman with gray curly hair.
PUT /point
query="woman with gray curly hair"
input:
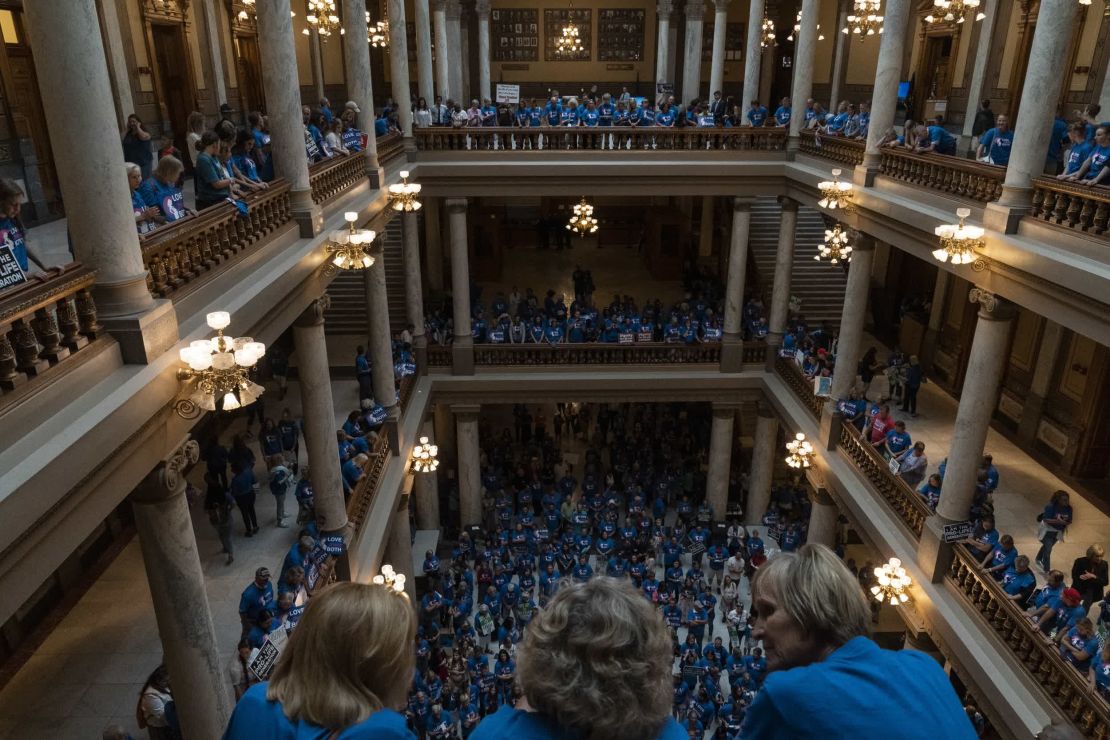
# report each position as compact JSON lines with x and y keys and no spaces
{"x":595,"y":664}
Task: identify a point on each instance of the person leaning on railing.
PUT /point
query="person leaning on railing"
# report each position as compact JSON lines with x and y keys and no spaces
{"x":1094,"y":170}
{"x":12,"y":233}
{"x":160,"y":190}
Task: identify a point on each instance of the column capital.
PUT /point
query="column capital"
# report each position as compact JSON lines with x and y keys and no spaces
{"x":788,"y":204}
{"x":456,"y":205}
{"x":765,"y":409}
{"x":742,"y":203}
{"x":722,"y":5}
{"x":439,"y":6}
{"x":865,"y":243}
{"x":466,"y":411}
{"x":167,"y":479}
{"x":725,"y":409}
{"x":482,"y":8}
{"x":313,"y":315}
{"x":695,"y":10}
{"x":454,"y":10}
{"x":991,"y":305}
{"x":664,"y":8}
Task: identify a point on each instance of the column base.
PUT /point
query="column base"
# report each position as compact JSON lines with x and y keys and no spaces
{"x":1030,"y":418}
{"x":144,"y":336}
{"x":774,"y":343}
{"x":934,"y":555}
{"x":420,"y":353}
{"x":462,"y":356}
{"x":374,"y":172}
{"x":732,"y":354}
{"x":831,"y":422}
{"x":122,"y":297}
{"x":391,"y":429}
{"x":1005,"y":217}
{"x":793,"y":146}
{"x":864,"y":174}
{"x":308,"y":216}
{"x":409,"y":145}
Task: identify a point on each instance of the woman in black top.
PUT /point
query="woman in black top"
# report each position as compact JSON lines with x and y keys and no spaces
{"x":136,"y":145}
{"x":1089,"y":575}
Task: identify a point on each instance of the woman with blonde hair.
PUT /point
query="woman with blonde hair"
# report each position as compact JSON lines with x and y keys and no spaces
{"x":826,"y":678}
{"x":343,"y":674}
{"x":595,"y":664}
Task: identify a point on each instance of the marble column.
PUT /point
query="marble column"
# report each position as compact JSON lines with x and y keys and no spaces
{"x":177,"y":588}
{"x":732,"y":343}
{"x":1052,"y":337}
{"x":455,"y":58}
{"x":77,"y":97}
{"x":470,"y":473}
{"x":399,"y":64}
{"x":433,"y":248}
{"x":664,"y":8}
{"x":117,"y":60}
{"x":414,"y":292}
{"x":356,"y":58}
{"x":462,"y":348}
{"x":763,"y":465}
{"x":884,"y":97}
{"x":717,"y":66}
{"x":484,"y":86}
{"x":398,"y":544}
{"x":283,"y":107}
{"x":381,"y":344}
{"x":852,"y":318}
{"x":213,"y":51}
{"x":840,"y":57}
{"x":720,"y":459}
{"x":318,"y":412}
{"x":936,"y":318}
{"x":982,"y":48}
{"x":1104,"y":95}
{"x":780,"y":289}
{"x":805,"y":48}
{"x":753,"y":56}
{"x":1056,"y":22}
{"x":691,"y":65}
{"x":316,"y":52}
{"x":822,"y":520}
{"x":443,"y":51}
{"x":425,"y":488}
{"x":425,"y":78}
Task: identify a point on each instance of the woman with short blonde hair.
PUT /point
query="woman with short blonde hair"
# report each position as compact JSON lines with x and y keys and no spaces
{"x":594,"y":664}
{"x":345,"y":668}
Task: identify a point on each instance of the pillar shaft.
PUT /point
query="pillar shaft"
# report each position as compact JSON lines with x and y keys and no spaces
{"x":720,"y":459}
{"x":318,"y":412}
{"x":399,"y":63}
{"x":805,"y":47}
{"x":978,"y":397}
{"x":784,"y":264}
{"x":460,"y":269}
{"x":732,"y":345}
{"x":443,"y":50}
{"x":763,"y":466}
{"x":691,"y":66}
{"x":425,"y":76}
{"x":822,"y":521}
{"x":840,"y":58}
{"x":180,"y":599}
{"x":356,"y":57}
{"x":936,"y":317}
{"x":398,"y":546}
{"x":717,"y":65}
{"x":1033,"y":404}
{"x":414,"y":293}
{"x":433,"y":236}
{"x":979,"y":69}
{"x":884,"y":97}
{"x":484,"y":83}
{"x":852,"y":318}
{"x":117,"y":61}
{"x":455,"y":60}
{"x":316,"y":52}
{"x":381,"y":341}
{"x":470,"y":474}
{"x":663,"y":42}
{"x":214,"y":51}
{"x":753,"y":56}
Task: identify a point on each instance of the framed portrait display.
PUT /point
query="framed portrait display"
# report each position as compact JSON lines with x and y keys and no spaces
{"x":515,"y":34}
{"x":620,"y":34}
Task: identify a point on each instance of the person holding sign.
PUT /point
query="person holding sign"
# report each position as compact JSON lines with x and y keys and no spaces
{"x":160,"y":190}
{"x":12,"y":233}
{"x":344,"y":689}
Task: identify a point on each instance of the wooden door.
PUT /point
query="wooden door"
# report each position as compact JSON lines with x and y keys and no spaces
{"x":250,"y":73}
{"x":175,"y":81}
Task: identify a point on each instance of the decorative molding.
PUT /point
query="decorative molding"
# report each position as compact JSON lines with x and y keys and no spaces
{"x":313,"y":315}
{"x":1010,"y":407}
{"x":172,"y":473}
{"x":1053,"y":437}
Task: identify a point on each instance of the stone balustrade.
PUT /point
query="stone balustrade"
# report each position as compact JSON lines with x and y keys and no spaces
{"x":802,"y":386}
{"x":963,"y":178}
{"x":614,"y":138}
{"x":390,"y":146}
{"x":43,"y":326}
{"x":647,"y":353}
{"x":836,"y":148}
{"x":906,"y":502}
{"x":1083,"y":208}
{"x":362,"y":497}
{"x":333,"y":177}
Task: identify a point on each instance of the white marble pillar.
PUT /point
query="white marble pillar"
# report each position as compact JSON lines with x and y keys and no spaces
{"x":399,"y":64}
{"x":425,"y":78}
{"x":936,"y":317}
{"x":753,"y":56}
{"x":117,"y":60}
{"x":805,"y":48}
{"x":177,"y":588}
{"x":978,"y":398}
{"x":763,"y":465}
{"x":822,"y":520}
{"x":484,"y":85}
{"x":283,"y":107}
{"x":664,"y":8}
{"x":425,"y":488}
{"x":414,"y":291}
{"x":462,"y":348}
{"x":1056,"y":21}
{"x":732,"y":345}
{"x":884,"y":97}
{"x":356,"y":58}
{"x":852,"y":318}
{"x":381,"y":342}
{"x":780,"y":288}
{"x":979,"y":71}
{"x":470,"y":473}
{"x":455,"y":58}
{"x":316,"y":52}
{"x":691,"y":65}
{"x":443,"y":51}
{"x":840,"y":57}
{"x":720,"y":459}
{"x":717,"y":66}
{"x":318,"y":412}
{"x":433,"y":238}
{"x":214,"y":50}
{"x":398,"y":544}
{"x":1104,"y":96}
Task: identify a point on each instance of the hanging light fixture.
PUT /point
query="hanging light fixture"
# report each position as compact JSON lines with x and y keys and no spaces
{"x":799,"y":452}
{"x":835,"y":193}
{"x":767,"y":34}
{"x":403,"y":194}
{"x":569,"y":42}
{"x":959,"y":242}
{"x":865,"y":20}
{"x":377,"y":33}
{"x":323,"y":17}
{"x":425,"y":456}
{"x":218,"y":369}
{"x":892,"y":585}
{"x":957,"y":11}
{"x":836,"y":248}
{"x":391,"y":579}
{"x":583,"y":221}
{"x":798,"y":27}
{"x":350,"y":249}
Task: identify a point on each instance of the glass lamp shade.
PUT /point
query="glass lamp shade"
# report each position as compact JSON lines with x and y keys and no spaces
{"x":219,"y":320}
{"x":223,"y":360}
{"x":230,"y":402}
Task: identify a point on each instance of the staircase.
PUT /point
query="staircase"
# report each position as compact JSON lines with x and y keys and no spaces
{"x":818,"y":285}
{"x":347,"y":314}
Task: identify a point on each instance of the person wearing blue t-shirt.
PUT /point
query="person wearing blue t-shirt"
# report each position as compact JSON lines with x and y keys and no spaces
{"x":836,"y":124}
{"x":756,"y":115}
{"x":1018,"y":581}
{"x":1001,"y":557}
{"x":995,"y":143}
{"x":782,"y":113}
{"x":897,"y":440}
{"x":213,"y":186}
{"x":1078,"y":151}
{"x":665,"y":116}
{"x":160,"y":189}
{"x":1094,"y":170}
{"x":1060,"y":614}
{"x":1079,"y":644}
{"x":935,"y":139}
{"x":826,"y":678}
{"x":1055,"y":518}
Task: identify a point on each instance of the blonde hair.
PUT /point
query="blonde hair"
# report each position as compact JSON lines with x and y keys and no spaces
{"x":597,"y":661}
{"x":350,"y":656}
{"x":169,"y":168}
{"x":819,"y":593}
{"x":1095,"y":551}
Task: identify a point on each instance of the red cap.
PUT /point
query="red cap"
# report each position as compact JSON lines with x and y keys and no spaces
{"x":1070,"y":594}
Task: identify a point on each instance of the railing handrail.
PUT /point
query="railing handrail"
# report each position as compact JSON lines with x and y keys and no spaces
{"x":1100,"y":193}
{"x":773,"y":139}
{"x":792,"y":375}
{"x":362,"y":497}
{"x":836,"y":148}
{"x":906,"y":502}
{"x":948,"y":161}
{"x":640,"y":353}
{"x":24,"y":300}
{"x":390,"y":145}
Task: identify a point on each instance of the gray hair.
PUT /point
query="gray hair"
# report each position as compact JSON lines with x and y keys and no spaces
{"x":597,"y":661}
{"x":819,"y":593}
{"x":133,"y":169}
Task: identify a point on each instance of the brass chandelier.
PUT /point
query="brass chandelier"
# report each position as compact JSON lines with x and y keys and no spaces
{"x":218,"y":369}
{"x":583,"y":221}
{"x":350,"y":250}
{"x":323,"y":17}
{"x":767,"y":34}
{"x":377,"y":33}
{"x":799,"y":452}
{"x":835,"y":193}
{"x":403,"y":194}
{"x":865,"y":20}
{"x":954,"y":11}
{"x":798,"y":27}
{"x":570,"y":41}
{"x":836,"y":248}
{"x":959,"y":242}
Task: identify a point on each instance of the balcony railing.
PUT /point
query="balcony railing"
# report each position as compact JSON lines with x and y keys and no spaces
{"x":802,"y":386}
{"x":960,"y":177}
{"x":648,"y":353}
{"x":183,"y":252}
{"x":362,"y":497}
{"x":906,"y":502}
{"x":333,"y":177}
{"x":1073,"y":206}
{"x":755,"y":353}
{"x":44,"y":325}
{"x":1066,"y":686}
{"x":616,"y":138}
{"x":389,"y":146}
{"x":836,"y":148}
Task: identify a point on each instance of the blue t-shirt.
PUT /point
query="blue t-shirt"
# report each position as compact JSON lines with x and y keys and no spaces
{"x":168,"y":198}
{"x":859,"y":691}
{"x":757,"y":116}
{"x":1002,"y":556}
{"x":1088,"y":645}
{"x":782,"y":115}
{"x":256,"y":716}
{"x":207,"y":171}
{"x":998,"y":143}
{"x":1014,"y":583}
{"x":12,"y":235}
{"x":1099,"y":156}
{"x":897,"y":441}
{"x":1057,"y":138}
{"x":1077,"y":155}
{"x":517,"y":724}
{"x":945,"y":142}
